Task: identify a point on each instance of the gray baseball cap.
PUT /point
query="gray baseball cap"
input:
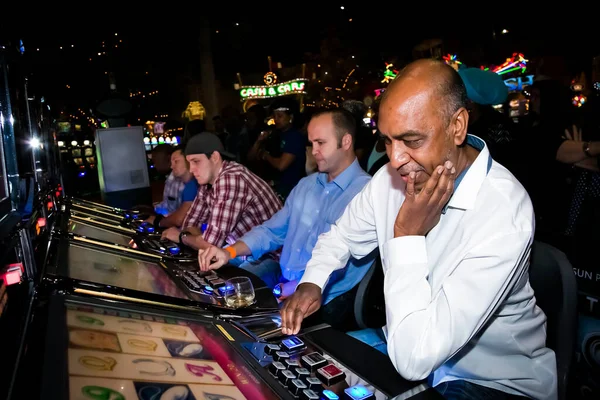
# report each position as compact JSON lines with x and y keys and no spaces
{"x":207,"y":143}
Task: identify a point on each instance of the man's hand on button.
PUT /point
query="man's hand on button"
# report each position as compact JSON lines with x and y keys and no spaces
{"x":212,"y":258}
{"x":172,"y":234}
{"x":304,"y":302}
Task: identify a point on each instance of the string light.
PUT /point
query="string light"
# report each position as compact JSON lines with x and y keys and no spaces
{"x":73,"y":46}
{"x":143,"y":95}
{"x":348,"y":77}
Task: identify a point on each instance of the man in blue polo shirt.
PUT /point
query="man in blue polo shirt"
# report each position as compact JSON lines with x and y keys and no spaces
{"x":313,"y":205}
{"x":180,"y":172}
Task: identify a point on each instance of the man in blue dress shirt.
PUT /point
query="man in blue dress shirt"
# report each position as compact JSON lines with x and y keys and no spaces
{"x":313,"y":205}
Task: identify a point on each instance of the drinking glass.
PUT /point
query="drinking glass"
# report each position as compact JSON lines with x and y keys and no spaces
{"x":239,"y":292}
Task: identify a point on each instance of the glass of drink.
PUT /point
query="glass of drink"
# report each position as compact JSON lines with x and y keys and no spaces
{"x":239,"y":292}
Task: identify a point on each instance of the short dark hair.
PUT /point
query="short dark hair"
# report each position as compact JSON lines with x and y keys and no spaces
{"x":343,"y":122}
{"x":178,"y":148}
{"x":163,"y":149}
{"x":454,"y":92}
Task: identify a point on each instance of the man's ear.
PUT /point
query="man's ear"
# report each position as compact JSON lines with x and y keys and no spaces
{"x":459,"y":125}
{"x":347,"y":141}
{"x":215,"y":157}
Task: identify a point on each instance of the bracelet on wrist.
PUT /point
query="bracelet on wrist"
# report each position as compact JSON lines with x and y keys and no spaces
{"x":231,"y":251}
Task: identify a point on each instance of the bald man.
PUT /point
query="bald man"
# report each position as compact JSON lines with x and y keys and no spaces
{"x":454,"y":229}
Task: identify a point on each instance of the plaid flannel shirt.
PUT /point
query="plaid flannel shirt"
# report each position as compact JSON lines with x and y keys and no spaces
{"x":238,"y":201}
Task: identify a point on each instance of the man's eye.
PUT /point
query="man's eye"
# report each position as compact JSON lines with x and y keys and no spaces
{"x":413,"y":143}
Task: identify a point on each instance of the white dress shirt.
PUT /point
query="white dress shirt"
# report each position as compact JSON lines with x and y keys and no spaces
{"x":458,"y":301}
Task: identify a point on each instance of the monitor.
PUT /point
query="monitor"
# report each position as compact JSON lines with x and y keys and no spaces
{"x":99,"y":351}
{"x":91,"y":265}
{"x":94,"y":232}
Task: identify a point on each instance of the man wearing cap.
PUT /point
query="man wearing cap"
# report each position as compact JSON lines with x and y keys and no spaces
{"x":231,"y":200}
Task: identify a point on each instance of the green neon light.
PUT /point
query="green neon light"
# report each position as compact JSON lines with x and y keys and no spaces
{"x":297,"y":86}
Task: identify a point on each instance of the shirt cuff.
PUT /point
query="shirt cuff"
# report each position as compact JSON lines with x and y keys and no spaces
{"x":253,"y":243}
{"x":405,"y":250}
{"x":313,"y":275}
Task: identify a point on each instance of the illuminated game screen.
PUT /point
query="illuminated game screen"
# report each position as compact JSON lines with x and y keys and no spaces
{"x":123,"y":355}
{"x":92,"y":265}
{"x":93,"y":232}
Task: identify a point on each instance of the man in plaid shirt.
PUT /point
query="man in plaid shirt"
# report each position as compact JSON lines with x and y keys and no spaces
{"x":231,"y":199}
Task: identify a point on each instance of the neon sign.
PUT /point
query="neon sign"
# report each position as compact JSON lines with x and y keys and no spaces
{"x":516,"y":62}
{"x":389,"y":74}
{"x":297,"y":86}
{"x":452,"y":61}
{"x":518,"y":83}
{"x":379,"y":92}
{"x":270,"y":78}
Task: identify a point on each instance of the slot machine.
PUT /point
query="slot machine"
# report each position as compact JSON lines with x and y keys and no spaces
{"x":118,"y":227}
{"x":16,"y":270}
{"x":87,"y":348}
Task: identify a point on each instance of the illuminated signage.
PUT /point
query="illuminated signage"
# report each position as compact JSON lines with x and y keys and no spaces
{"x":270,"y":78}
{"x":389,"y":74}
{"x":452,"y":61}
{"x":379,"y":92}
{"x":297,"y":86}
{"x":518,"y":83}
{"x":515,"y":63}
{"x":194,"y":110}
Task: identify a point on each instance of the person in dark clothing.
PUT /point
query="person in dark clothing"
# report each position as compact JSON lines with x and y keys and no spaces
{"x":365,"y":139}
{"x":543,"y":133}
{"x":283,"y":151}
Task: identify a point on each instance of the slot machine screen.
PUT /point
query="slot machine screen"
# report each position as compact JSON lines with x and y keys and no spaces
{"x":94,"y":232}
{"x":116,"y":353}
{"x":97,"y":266}
{"x":89,"y":152}
{"x":76,"y":152}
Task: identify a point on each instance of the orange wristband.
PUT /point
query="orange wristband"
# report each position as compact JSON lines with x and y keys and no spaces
{"x":231,"y":251}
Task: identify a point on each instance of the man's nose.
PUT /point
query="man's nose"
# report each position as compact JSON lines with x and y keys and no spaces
{"x":398,"y":155}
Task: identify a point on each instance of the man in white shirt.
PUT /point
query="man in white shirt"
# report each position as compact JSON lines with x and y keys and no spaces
{"x":454,"y":229}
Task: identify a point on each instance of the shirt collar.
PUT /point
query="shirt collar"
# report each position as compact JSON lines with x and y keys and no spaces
{"x":224,"y":166}
{"x":468,"y":183}
{"x":344,"y":179}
